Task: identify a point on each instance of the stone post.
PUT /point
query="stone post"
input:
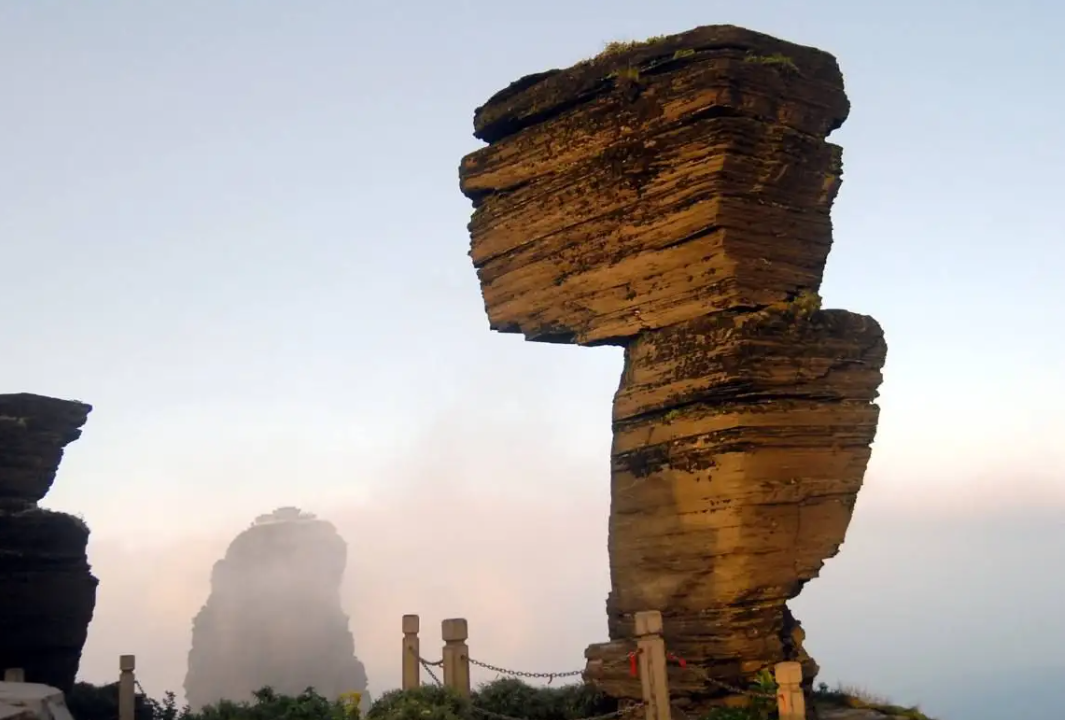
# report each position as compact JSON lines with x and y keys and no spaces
{"x":651,"y":655}
{"x":127,"y":687}
{"x":791,"y":703}
{"x":14,"y":675}
{"x":412,"y":668}
{"x":456,"y":655}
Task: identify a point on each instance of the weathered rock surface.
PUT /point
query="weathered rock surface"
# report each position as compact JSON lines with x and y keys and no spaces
{"x":47,"y":591}
{"x":32,"y":701}
{"x":674,"y":198}
{"x":273,"y":617}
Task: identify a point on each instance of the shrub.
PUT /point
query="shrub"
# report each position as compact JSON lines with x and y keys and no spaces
{"x":100,"y":702}
{"x":428,"y":702}
{"x":511,"y":696}
{"x":268,"y":705}
{"x":89,"y":702}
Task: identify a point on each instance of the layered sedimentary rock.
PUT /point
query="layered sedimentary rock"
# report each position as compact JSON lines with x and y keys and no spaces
{"x":674,"y":197}
{"x":47,"y":591}
{"x":273,"y":617}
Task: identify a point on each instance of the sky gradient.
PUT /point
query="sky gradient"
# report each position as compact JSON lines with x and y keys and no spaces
{"x":235,"y":229}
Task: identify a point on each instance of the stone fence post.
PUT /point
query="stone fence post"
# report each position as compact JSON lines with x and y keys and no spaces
{"x":412,"y":653}
{"x":127,"y":687}
{"x":14,"y":675}
{"x":651,"y":657}
{"x":456,"y":655}
{"x":791,"y":704}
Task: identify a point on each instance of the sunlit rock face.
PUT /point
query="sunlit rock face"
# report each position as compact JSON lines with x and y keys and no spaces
{"x":674,"y":197}
{"x":273,"y":617}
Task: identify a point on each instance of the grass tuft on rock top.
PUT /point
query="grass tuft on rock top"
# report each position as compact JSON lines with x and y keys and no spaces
{"x":616,"y":47}
{"x":778,"y":60}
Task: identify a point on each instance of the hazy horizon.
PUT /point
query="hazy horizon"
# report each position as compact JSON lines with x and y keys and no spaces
{"x":235,"y":229}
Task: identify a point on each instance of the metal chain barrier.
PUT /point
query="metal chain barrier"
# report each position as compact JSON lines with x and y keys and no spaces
{"x":429,"y":665}
{"x":735,"y":690}
{"x":549,"y":676}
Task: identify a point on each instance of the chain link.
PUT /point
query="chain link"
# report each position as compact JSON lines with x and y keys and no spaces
{"x":549,"y":676}
{"x":735,"y":690}
{"x":429,"y":665}
{"x":137,"y":683}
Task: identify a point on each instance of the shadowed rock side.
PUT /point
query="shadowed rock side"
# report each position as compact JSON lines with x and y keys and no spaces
{"x":273,"y":617}
{"x":47,"y":591}
{"x":674,"y":198}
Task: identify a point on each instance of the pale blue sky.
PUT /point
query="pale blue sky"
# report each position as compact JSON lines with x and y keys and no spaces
{"x":235,"y":228}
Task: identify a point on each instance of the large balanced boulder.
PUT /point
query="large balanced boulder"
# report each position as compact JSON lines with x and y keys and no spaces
{"x":273,"y":617}
{"x":673,"y":197}
{"x":47,"y":591}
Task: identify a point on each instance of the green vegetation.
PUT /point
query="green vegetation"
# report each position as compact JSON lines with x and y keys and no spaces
{"x":428,"y":702}
{"x":510,"y":697}
{"x":506,"y":696}
{"x":630,"y":73}
{"x":89,"y":702}
{"x":806,"y":303}
{"x":760,"y":708}
{"x":776,"y":59}
{"x":616,"y":47}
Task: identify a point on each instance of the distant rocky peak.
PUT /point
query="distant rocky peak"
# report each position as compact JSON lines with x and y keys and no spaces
{"x":288,"y":513}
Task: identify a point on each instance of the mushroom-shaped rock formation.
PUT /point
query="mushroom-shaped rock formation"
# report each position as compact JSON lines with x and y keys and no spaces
{"x":673,"y":197}
{"x":47,"y":591}
{"x":273,"y":617}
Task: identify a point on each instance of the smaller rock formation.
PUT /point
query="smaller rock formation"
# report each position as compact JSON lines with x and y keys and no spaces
{"x":273,"y":617}
{"x":47,"y":592}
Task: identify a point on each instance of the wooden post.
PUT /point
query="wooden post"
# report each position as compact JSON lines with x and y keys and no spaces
{"x":456,"y":655}
{"x":412,"y":653}
{"x":127,"y":687}
{"x":791,"y":704}
{"x":651,"y":656}
{"x":14,"y":675}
